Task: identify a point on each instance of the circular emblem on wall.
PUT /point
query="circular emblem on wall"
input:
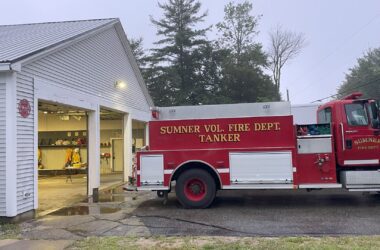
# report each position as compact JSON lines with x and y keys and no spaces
{"x":24,"y":108}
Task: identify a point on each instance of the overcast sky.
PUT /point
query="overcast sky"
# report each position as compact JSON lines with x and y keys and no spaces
{"x":337,"y":31}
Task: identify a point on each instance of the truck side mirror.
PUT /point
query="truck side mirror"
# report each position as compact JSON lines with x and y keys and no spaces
{"x":374,"y":110}
{"x":375,"y":124}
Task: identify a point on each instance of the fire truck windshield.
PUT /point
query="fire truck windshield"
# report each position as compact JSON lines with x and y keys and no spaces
{"x":356,"y":114}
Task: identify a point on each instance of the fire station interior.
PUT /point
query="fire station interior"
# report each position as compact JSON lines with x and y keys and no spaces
{"x":62,"y":153}
{"x":111,"y":147}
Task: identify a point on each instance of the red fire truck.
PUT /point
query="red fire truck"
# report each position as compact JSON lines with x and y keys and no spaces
{"x":198,"y":150}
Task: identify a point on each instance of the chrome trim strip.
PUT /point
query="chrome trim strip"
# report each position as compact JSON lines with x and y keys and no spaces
{"x":313,"y":136}
{"x":259,"y":186}
{"x":152,"y":188}
{"x":343,"y":140}
{"x":321,"y":185}
{"x":223,"y":170}
{"x":364,"y":190}
{"x":360,"y":162}
{"x":351,"y":131}
{"x":168,"y":171}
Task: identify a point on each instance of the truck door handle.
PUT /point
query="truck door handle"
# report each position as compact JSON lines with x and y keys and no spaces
{"x":343,"y":141}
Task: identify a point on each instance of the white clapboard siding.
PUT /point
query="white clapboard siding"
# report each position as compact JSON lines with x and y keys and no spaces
{"x":25,"y":146}
{"x":92,"y":66}
{"x":2,"y":150}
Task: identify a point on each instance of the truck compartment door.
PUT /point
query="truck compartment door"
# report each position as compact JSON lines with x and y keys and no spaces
{"x":261,"y":167}
{"x":151,"y":170}
{"x":315,"y":160}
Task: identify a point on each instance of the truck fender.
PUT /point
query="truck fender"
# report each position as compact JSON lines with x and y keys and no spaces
{"x":196,"y":164}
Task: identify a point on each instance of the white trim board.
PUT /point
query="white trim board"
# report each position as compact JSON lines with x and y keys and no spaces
{"x":53,"y":92}
{"x":11,"y":149}
{"x":36,"y":195}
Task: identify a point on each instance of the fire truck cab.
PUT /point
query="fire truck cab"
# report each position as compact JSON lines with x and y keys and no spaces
{"x":356,"y":130}
{"x":198,"y":150}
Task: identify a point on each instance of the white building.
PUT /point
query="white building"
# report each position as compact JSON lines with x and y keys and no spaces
{"x":68,"y":71}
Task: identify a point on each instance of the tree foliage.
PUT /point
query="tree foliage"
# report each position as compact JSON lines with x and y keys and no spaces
{"x":138,"y":51}
{"x":364,"y":76}
{"x":177,"y":55}
{"x":185,"y":68}
{"x":243,"y":78}
{"x":238,"y":28}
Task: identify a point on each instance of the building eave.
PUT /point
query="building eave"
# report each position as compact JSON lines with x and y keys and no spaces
{"x":123,"y":37}
{"x":5,"y":67}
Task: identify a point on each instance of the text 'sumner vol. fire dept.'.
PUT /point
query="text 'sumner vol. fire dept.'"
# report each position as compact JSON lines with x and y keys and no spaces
{"x":199,"y":150}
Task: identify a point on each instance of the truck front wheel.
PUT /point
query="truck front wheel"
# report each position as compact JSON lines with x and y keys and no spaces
{"x":195,"y":188}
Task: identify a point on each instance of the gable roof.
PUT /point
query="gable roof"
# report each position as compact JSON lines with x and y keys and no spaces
{"x":18,"y":42}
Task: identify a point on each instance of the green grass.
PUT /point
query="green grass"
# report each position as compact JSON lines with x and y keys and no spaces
{"x":229,"y":243}
{"x":9,"y":231}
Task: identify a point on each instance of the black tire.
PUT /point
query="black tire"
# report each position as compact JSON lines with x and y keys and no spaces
{"x":195,"y":188}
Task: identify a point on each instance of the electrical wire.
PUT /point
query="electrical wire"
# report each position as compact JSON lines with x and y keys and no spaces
{"x":355,"y":33}
{"x":349,"y":90}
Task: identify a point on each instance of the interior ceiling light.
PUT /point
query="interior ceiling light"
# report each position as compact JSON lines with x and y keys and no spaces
{"x":120,"y":84}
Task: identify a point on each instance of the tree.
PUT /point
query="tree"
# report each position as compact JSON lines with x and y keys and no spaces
{"x":284,"y":46}
{"x":176,"y":56}
{"x":138,"y":51}
{"x":247,"y":82}
{"x":152,"y":73}
{"x":238,"y":28}
{"x":185,"y":68}
{"x":364,"y":76}
{"x":242,"y":75}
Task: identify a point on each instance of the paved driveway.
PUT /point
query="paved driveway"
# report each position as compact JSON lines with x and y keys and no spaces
{"x":234,"y":213}
{"x":268,"y":213}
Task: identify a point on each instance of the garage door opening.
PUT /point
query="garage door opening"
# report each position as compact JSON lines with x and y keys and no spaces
{"x":111,"y":148}
{"x":62,"y":155}
{"x":138,"y":135}
{"x":112,"y":152}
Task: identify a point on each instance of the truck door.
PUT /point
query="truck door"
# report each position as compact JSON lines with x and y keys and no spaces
{"x":361,"y":141}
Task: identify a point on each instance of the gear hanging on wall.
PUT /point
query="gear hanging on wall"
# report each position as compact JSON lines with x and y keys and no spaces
{"x":68,"y":157}
{"x":76,"y":159}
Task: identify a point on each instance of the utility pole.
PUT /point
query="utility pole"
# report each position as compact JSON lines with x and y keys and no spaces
{"x":287,"y":95}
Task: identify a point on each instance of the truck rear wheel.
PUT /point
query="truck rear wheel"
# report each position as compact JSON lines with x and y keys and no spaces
{"x":195,"y":188}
